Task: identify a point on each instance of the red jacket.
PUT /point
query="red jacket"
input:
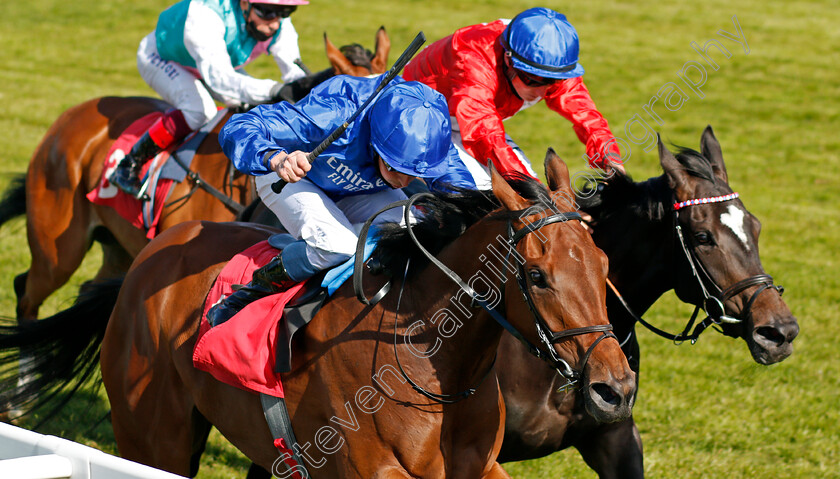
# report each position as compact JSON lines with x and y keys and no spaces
{"x":467,"y":68}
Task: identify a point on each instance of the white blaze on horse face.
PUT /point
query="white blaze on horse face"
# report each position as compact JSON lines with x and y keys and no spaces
{"x":734,"y":219}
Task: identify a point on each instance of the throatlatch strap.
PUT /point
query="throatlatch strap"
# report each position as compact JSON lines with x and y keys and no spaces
{"x":280,"y":425}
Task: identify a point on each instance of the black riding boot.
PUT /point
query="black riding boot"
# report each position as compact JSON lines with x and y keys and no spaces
{"x":271,"y":278}
{"x":126,"y":176}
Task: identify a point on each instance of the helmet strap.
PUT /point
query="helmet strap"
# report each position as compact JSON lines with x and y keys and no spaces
{"x":376,"y":158}
{"x":510,"y":73}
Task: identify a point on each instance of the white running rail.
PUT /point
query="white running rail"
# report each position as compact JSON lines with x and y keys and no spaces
{"x":28,"y":455}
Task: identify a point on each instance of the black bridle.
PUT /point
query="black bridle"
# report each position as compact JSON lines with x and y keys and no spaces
{"x":547,"y":337}
{"x":712,"y":304}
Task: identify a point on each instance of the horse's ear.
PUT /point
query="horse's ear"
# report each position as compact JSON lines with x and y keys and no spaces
{"x":710,"y":147}
{"x":677,"y":177}
{"x":379,"y":62}
{"x":556,"y":172}
{"x":340,"y":63}
{"x":503,"y":191}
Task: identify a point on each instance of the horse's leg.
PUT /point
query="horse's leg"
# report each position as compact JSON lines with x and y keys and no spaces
{"x":156,"y":426}
{"x":115,"y":259}
{"x":57,"y":212}
{"x":152,"y":412}
{"x":257,"y":472}
{"x":497,"y":472}
{"x":20,"y":285}
{"x":202,"y":429}
{"x":613,"y":450}
{"x":391,"y":472}
{"x":57,"y":246}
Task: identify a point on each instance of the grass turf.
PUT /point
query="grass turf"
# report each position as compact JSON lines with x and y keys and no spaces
{"x":705,"y":410}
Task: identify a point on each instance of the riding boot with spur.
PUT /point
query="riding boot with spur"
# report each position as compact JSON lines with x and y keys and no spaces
{"x":126,"y":176}
{"x":269,"y":279}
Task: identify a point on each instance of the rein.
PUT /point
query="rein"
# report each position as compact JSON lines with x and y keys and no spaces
{"x":712,"y":304}
{"x":547,"y":337}
{"x":200,"y":183}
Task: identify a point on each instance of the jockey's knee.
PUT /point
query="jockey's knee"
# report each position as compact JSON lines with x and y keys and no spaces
{"x":323,"y":259}
{"x":195,"y":118}
{"x":198,"y":107}
{"x":331,"y":248}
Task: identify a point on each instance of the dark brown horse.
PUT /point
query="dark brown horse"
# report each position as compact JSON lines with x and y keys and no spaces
{"x":349,"y":392}
{"x":61,"y":224}
{"x":636,"y":226}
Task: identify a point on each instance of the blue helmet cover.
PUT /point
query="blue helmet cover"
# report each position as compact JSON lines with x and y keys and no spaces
{"x":542,"y":42}
{"x":410,"y":129}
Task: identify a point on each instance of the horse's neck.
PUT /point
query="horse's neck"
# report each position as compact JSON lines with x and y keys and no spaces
{"x":641,"y":255}
{"x":468,"y":335}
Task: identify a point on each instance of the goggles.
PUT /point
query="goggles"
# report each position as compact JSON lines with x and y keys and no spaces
{"x":377,"y":157}
{"x":270,"y":12}
{"x":534,"y":81}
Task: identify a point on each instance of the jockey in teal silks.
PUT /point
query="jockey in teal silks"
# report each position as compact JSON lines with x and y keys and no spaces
{"x":195,"y":58}
{"x":404,"y":134}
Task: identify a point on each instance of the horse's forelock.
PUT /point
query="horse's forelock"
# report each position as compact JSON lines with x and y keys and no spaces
{"x":528,"y":187}
{"x":695,"y":164}
{"x":358,"y":55}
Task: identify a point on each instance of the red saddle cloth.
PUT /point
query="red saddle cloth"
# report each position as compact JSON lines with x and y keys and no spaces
{"x":127,"y":206}
{"x":241,"y":351}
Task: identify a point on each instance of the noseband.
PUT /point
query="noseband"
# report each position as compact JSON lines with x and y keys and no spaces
{"x":547,"y":337}
{"x":712,"y":304}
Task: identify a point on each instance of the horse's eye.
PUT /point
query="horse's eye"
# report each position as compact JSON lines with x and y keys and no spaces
{"x":537,"y":278}
{"x":703,"y":237}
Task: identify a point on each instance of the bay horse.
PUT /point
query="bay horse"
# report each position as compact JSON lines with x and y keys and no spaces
{"x":636,"y":226}
{"x":61,"y":224}
{"x":367,"y":418}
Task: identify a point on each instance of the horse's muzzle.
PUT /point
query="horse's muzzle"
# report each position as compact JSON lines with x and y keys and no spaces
{"x":611,"y":400}
{"x":771,"y":343}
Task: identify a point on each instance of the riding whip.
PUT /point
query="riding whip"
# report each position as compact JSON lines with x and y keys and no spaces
{"x":401,"y":62}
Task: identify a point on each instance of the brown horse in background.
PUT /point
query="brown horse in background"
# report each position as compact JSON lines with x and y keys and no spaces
{"x":635,"y":224}
{"x":61,"y":224}
{"x":344,"y":378}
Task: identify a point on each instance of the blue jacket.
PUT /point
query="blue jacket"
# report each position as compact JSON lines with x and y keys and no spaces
{"x":347,"y":166}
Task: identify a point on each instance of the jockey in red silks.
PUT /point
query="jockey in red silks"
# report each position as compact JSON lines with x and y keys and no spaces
{"x":489,"y":72}
{"x":194,"y":58}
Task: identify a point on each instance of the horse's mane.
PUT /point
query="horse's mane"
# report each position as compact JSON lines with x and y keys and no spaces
{"x":647,"y":199}
{"x":358,"y":55}
{"x":445,"y":217}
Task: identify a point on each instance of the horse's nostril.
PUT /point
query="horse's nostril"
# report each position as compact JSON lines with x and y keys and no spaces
{"x":771,"y":334}
{"x":606,"y":393}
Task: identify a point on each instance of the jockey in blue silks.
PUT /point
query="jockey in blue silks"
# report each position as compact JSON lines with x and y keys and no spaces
{"x":404,"y":134}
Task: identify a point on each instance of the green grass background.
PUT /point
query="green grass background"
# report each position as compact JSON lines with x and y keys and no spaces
{"x":704,"y":411}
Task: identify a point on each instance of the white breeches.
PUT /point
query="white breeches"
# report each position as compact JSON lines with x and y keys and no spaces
{"x":175,"y":84}
{"x":329,"y":228}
